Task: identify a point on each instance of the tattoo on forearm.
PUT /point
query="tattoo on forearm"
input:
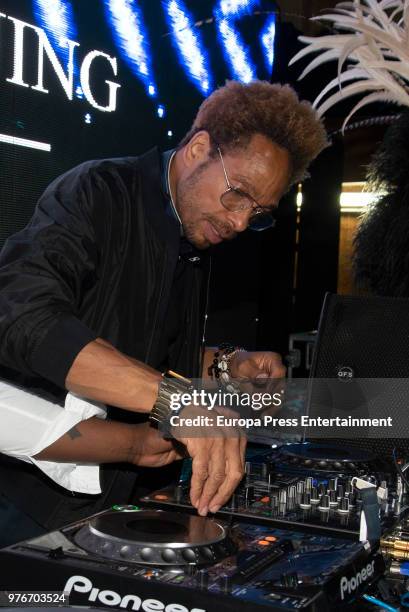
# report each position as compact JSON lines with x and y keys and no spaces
{"x":74,"y":433}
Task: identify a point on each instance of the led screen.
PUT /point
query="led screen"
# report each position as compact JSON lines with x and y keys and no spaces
{"x":83,"y":79}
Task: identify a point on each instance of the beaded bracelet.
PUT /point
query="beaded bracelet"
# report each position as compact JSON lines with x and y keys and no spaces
{"x":220,"y":367}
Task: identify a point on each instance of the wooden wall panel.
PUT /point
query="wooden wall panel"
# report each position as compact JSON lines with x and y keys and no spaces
{"x":349,"y":224}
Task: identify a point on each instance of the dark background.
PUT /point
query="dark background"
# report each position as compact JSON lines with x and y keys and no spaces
{"x":258,"y":293}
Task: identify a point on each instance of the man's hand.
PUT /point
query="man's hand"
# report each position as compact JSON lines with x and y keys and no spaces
{"x":218,"y":458}
{"x":257,"y":366}
{"x":152,"y":450}
{"x":259,"y":370}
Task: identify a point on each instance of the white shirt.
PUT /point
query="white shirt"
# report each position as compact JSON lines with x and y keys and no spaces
{"x":29,"y":424}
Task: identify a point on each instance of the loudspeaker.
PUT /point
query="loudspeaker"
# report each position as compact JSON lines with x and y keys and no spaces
{"x":362,"y":337}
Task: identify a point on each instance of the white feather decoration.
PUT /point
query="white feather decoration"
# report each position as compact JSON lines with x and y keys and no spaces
{"x":373,"y":35}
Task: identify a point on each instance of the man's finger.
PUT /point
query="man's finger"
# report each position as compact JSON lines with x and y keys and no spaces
{"x":217,"y":474}
{"x":234,"y":473}
{"x":243,"y":446}
{"x":261,"y":379}
{"x":200,"y":467}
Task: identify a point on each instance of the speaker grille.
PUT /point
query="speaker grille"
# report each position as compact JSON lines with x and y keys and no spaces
{"x":371,"y":336}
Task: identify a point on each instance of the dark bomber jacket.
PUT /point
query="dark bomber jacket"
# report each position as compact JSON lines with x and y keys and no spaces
{"x":96,"y":260}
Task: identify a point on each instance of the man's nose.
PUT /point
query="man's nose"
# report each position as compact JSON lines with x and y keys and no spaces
{"x":240,"y":220}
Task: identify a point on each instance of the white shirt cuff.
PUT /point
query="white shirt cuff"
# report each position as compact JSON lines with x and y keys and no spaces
{"x":31,"y":424}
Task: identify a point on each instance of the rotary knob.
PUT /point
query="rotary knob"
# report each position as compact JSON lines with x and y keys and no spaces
{"x":107,"y":547}
{"x":249,"y":494}
{"x":332,"y":484}
{"x":333,"y":500}
{"x":146,"y":554}
{"x":207,"y":553}
{"x":291,"y":492}
{"x":178,"y":493}
{"x":352,"y":500}
{"x":273,"y":502}
{"x":344,"y":506}
{"x":305,"y":502}
{"x":308,"y":484}
{"x":125,"y":552}
{"x":233,"y":502}
{"x":189,"y":555}
{"x":324,"y":503}
{"x":315,"y":497}
{"x":169,"y":555}
{"x":203,"y":579}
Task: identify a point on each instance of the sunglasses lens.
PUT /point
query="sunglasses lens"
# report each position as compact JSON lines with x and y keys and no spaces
{"x":261,"y":222}
{"x":235,"y":201}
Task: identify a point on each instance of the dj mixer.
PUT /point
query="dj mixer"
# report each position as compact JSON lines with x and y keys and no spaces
{"x":302,"y":485}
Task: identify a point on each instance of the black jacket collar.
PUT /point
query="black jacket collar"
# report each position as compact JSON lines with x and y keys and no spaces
{"x":154,"y":200}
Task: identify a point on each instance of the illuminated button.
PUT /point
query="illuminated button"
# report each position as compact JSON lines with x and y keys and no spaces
{"x":146,"y":554}
{"x":271,"y":539}
{"x":161,"y":497}
{"x":169,"y":555}
{"x":263,"y":543}
{"x":125,"y":508}
{"x":179,"y":578}
{"x":189,"y":555}
{"x":265,"y":500}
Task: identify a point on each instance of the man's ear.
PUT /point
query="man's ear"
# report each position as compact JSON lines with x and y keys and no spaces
{"x":197,"y":150}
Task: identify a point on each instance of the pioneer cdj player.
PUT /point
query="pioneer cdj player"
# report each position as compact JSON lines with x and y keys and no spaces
{"x":147,"y":559}
{"x":289,"y":539}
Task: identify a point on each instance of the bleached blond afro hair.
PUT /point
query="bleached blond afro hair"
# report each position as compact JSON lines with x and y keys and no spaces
{"x":235,"y":112}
